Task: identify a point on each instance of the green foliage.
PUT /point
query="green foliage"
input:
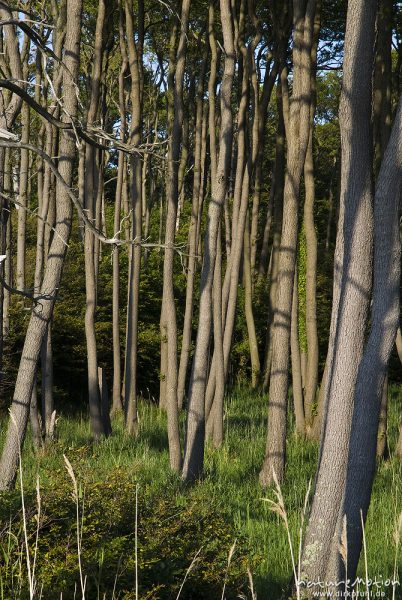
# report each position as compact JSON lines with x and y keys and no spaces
{"x":174,"y":521}
{"x":169,"y":535}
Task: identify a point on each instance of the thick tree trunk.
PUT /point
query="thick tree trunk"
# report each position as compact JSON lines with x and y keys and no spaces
{"x":373,"y":366}
{"x":352,"y":287}
{"x":42,"y":313}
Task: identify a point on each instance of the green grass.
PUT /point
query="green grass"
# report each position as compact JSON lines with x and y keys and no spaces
{"x":229,"y":489}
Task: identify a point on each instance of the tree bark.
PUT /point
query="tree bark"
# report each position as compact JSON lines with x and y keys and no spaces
{"x":278,"y":185}
{"x":382,"y":437}
{"x":194,"y":448}
{"x":169,"y":309}
{"x":192,"y":240}
{"x":248,"y":308}
{"x":23,"y":200}
{"x":352,"y":287}
{"x":373,"y":366}
{"x":135,"y":65}
{"x":296,"y":363}
{"x":297,"y":145}
{"x":42,"y":313}
{"x":91,"y":184}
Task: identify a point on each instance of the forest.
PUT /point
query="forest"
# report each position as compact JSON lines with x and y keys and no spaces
{"x":200,"y":259}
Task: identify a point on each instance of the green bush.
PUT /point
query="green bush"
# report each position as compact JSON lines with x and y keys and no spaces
{"x":169,"y":536}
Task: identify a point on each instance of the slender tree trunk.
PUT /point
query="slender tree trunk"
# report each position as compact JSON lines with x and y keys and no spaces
{"x":215,"y":420}
{"x":47,"y":381}
{"x":194,"y":449}
{"x":310,"y":372}
{"x":8,"y":251}
{"x":311,"y":285}
{"x":135,"y":64}
{"x":23,"y":200}
{"x":116,"y":398}
{"x":278,"y":186}
{"x":296,"y":362}
{"x":297,"y":146}
{"x":91,"y":186}
{"x":382,"y":112}
{"x":248,"y":308}
{"x":169,"y":309}
{"x":192,"y":241}
{"x":34,"y":420}
{"x":42,"y":313}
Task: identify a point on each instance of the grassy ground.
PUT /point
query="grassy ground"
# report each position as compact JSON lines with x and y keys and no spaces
{"x":227,"y":505}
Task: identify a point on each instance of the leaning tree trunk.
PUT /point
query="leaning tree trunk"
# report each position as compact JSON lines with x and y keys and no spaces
{"x":299,"y":118}
{"x":352,"y":287}
{"x":373,"y":366}
{"x":42,"y":312}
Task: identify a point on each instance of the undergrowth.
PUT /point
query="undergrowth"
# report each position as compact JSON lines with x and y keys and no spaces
{"x":177,"y":542}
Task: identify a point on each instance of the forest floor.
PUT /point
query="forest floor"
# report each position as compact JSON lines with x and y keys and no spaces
{"x":153,"y":547}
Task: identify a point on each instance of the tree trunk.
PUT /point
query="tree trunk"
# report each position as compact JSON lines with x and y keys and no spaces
{"x":23,"y":200}
{"x":47,"y":381}
{"x":297,"y":145}
{"x":278,"y":185}
{"x":248,"y":308}
{"x":352,"y":287}
{"x":42,"y":313}
{"x":311,"y":286}
{"x":192,"y":241}
{"x":296,"y":363}
{"x":194,"y":449}
{"x":169,"y":308}
{"x":34,"y":420}
{"x":91,"y":185}
{"x":382,"y":438}
{"x":373,"y":366}
{"x":135,"y":64}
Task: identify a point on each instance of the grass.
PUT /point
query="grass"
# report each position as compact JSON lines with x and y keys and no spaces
{"x":230,"y":486}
